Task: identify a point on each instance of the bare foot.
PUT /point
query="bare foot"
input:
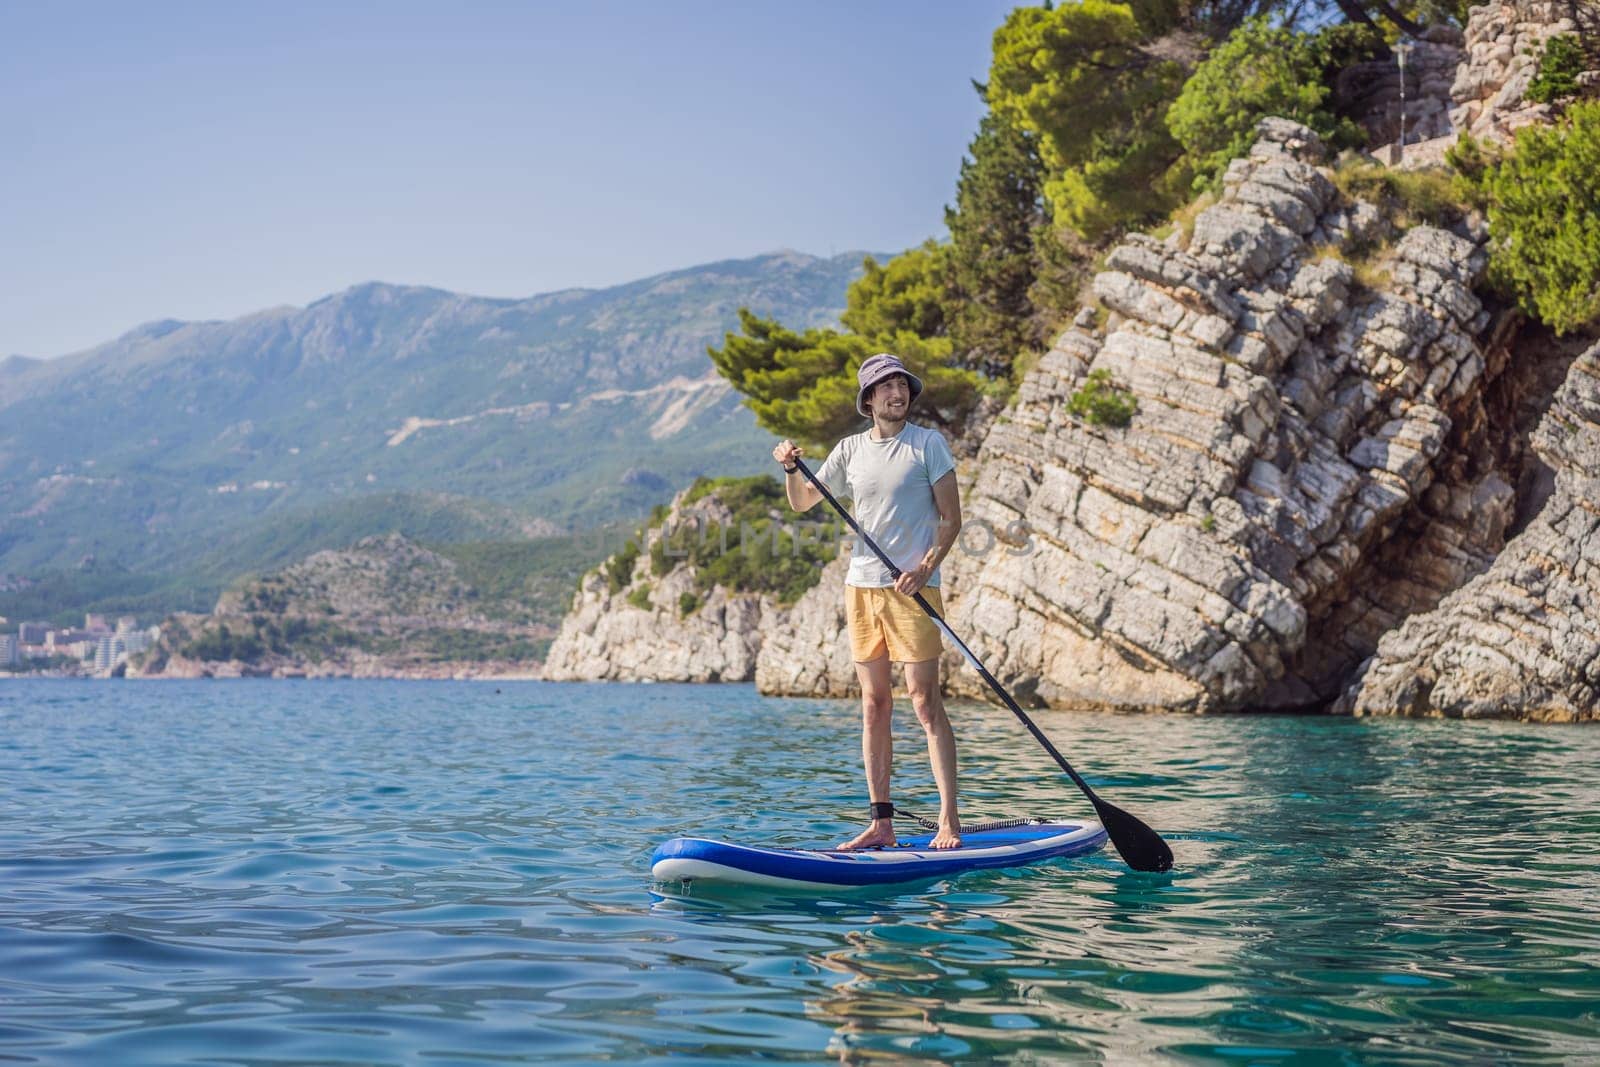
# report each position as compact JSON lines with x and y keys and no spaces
{"x":879,"y":835}
{"x":948,"y":837}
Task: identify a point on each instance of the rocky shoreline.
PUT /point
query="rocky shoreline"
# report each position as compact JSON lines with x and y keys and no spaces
{"x":1520,"y":640}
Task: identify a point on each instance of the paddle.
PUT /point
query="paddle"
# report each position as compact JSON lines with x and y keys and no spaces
{"x":1140,"y":846}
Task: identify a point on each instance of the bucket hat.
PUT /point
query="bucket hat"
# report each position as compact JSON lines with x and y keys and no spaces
{"x":875,"y":369}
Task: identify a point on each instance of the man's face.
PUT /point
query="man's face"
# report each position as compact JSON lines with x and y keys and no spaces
{"x":891,"y":398}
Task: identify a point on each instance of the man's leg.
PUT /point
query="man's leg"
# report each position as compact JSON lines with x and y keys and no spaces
{"x":922,"y":682}
{"x":877,"y":746}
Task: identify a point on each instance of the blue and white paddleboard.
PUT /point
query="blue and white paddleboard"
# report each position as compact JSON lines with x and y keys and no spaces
{"x":692,"y":859}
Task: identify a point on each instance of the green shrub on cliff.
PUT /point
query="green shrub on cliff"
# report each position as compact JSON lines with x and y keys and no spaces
{"x":749,"y":499}
{"x":1543,"y":204}
{"x":1102,"y":402}
{"x":783,"y":559}
{"x":762,"y":548}
{"x":1406,"y":198}
{"x":1559,"y":66}
{"x":619,"y":568}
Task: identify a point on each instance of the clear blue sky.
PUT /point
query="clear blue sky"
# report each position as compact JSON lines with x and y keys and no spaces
{"x":206,"y":160}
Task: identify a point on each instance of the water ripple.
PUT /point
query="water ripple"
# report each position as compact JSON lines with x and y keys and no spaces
{"x":371,"y":872}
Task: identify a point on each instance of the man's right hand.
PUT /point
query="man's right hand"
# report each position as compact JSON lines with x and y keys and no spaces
{"x":801,"y":496}
{"x":786,"y":453}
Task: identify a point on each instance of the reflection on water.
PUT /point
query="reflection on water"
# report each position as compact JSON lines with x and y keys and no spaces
{"x":388,"y":872}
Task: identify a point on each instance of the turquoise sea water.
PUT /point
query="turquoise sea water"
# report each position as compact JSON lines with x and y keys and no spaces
{"x":412,"y":872}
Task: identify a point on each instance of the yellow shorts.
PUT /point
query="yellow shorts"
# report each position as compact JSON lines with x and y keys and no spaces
{"x":885,"y":621}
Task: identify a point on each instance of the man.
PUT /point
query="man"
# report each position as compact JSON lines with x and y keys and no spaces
{"x":902,"y":480}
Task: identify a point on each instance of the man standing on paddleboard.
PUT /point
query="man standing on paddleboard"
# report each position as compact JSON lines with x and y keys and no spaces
{"x":902,"y":481}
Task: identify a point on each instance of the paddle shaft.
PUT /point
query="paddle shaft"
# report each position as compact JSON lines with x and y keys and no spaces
{"x":1109,"y":813}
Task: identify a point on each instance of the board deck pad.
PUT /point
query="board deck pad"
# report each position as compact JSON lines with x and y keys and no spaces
{"x":693,"y":859}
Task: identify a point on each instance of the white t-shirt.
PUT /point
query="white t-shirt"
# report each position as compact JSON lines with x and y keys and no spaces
{"x":891,"y":484}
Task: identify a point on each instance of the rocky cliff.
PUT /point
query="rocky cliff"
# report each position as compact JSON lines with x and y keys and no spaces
{"x":1226,"y":550}
{"x":1504,"y":42}
{"x":1521,"y":639}
{"x":810,"y":653}
{"x":609,"y":637}
{"x":654,"y":612}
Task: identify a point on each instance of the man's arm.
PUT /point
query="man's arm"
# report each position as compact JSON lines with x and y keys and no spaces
{"x":947,"y":499}
{"x":803,"y":496}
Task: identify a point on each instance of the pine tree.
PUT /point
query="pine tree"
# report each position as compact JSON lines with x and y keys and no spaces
{"x":911,"y":292}
{"x":802,"y":384}
{"x":1087,"y":79}
{"x":999,"y":205}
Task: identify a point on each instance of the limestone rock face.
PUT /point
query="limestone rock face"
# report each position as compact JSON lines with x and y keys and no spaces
{"x":808,"y":652}
{"x":1291,"y":425}
{"x":608,"y":636}
{"x":605,"y":638}
{"x":1522,"y":639}
{"x":1504,"y":43}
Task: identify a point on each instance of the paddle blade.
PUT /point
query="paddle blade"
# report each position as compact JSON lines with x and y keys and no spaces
{"x":1140,"y":846}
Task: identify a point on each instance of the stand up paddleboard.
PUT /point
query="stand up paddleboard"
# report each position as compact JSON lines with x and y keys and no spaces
{"x":694,"y":859}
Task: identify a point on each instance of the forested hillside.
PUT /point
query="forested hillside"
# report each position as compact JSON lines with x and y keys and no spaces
{"x":148,"y":472}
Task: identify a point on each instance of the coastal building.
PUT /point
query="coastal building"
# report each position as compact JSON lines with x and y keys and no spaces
{"x":32,"y":633}
{"x":95,"y":624}
{"x":101,"y":651}
{"x":110,"y":650}
{"x":56,"y":642}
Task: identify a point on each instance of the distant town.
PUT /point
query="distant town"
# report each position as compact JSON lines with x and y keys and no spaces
{"x":99,"y":650}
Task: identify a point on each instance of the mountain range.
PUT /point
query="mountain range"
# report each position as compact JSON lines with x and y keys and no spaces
{"x":233,"y":447}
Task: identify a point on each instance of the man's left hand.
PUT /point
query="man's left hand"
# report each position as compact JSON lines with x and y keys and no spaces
{"x":913,"y":580}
